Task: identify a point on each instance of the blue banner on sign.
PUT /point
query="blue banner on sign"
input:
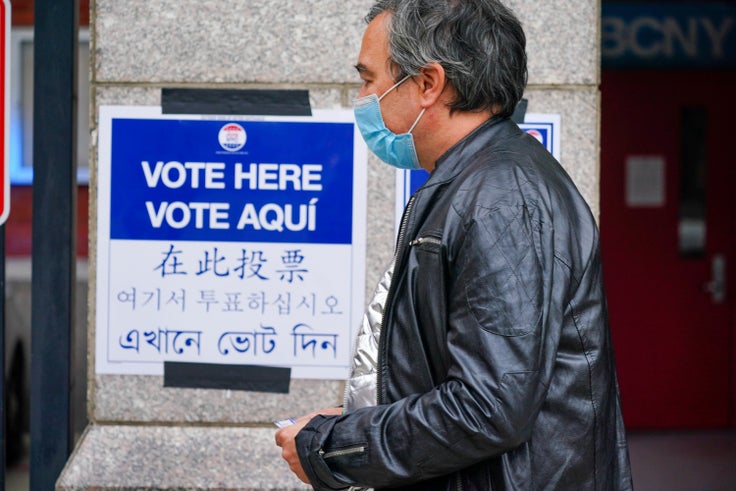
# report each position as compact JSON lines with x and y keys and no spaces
{"x":250,"y":181}
{"x":669,"y":35}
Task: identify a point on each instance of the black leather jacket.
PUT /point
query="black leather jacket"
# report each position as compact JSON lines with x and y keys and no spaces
{"x":496,"y":369}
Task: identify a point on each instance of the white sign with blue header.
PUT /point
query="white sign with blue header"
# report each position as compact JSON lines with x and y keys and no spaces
{"x":229,"y":240}
{"x":543,"y":127}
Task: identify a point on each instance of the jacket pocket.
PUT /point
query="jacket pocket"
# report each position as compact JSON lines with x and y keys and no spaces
{"x":426,"y":312}
{"x":427,"y":242}
{"x":427,"y":268}
{"x":342,"y":452}
{"x":351,"y":456}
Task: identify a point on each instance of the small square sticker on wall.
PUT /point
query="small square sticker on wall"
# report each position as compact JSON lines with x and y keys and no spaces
{"x":645,"y":186}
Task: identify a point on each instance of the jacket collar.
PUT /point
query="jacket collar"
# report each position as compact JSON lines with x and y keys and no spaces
{"x":453,"y":161}
{"x":486,"y":136}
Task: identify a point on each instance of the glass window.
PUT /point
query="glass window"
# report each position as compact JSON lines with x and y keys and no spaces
{"x":21,"y":107}
{"x":693,"y":167}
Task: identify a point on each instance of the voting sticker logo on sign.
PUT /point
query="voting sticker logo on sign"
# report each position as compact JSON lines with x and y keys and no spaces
{"x":232,"y":137}
{"x":536,"y":134}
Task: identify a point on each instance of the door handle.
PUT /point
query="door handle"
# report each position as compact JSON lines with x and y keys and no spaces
{"x":717,"y":284}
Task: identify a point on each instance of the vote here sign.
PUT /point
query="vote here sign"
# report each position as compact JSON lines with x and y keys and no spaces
{"x":229,"y":241}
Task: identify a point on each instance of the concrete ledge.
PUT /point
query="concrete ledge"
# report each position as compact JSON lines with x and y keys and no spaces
{"x":126,"y":458}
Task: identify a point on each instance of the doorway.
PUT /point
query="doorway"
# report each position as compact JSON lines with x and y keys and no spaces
{"x":668,"y":234}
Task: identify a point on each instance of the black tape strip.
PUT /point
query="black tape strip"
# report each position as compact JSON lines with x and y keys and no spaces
{"x":236,"y":101}
{"x":520,"y":111}
{"x":234,"y":377}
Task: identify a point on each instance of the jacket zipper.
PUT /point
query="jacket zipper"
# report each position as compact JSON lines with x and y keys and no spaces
{"x":341,"y":453}
{"x":402,"y":227}
{"x":425,"y":240}
{"x":459,"y":482}
{"x":389,"y":295}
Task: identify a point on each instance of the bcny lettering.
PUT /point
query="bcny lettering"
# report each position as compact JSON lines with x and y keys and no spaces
{"x":650,"y":37}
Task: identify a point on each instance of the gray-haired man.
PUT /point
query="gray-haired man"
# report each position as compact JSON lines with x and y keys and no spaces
{"x":485,"y":362}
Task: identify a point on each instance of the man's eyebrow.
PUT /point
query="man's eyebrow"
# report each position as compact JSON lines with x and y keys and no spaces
{"x":361,"y":68}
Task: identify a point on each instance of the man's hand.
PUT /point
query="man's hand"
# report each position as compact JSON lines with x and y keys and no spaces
{"x":285,"y":438}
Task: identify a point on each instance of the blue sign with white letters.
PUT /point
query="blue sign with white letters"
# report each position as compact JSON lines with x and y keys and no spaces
{"x":669,"y":35}
{"x":254,"y":181}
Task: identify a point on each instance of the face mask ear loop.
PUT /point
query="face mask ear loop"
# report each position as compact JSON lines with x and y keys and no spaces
{"x":417,"y":120}
{"x":393,"y":87}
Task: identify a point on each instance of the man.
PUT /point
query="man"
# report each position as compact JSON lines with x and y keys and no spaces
{"x":491,"y":367}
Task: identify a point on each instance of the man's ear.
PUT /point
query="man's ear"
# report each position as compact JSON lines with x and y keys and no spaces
{"x":432,"y":83}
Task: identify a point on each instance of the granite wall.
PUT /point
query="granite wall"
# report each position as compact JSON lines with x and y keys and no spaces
{"x":144,"y":436}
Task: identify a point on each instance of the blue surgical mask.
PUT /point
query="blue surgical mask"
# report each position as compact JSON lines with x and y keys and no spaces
{"x":396,"y":150}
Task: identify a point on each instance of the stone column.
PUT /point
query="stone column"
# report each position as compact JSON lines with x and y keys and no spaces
{"x":144,"y":436}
